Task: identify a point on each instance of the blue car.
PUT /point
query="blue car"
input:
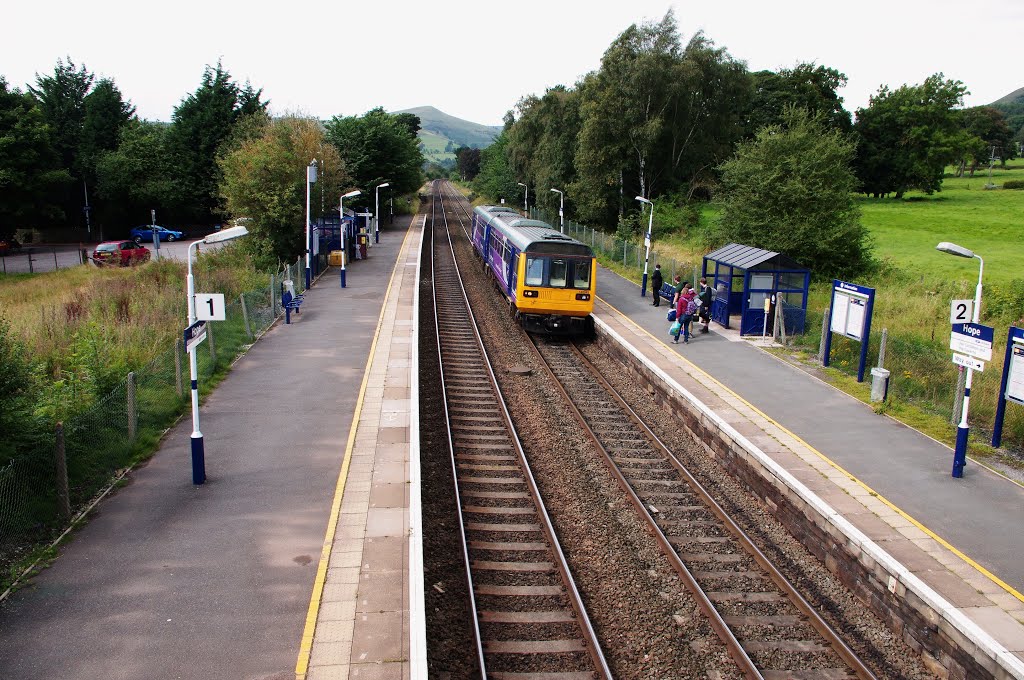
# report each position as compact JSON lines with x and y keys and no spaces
{"x":145,"y":233}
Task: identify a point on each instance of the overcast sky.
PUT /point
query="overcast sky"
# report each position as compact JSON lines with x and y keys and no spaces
{"x":476,"y":59}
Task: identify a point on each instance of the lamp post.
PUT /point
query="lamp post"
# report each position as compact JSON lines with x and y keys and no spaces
{"x":561,"y":210}
{"x":526,"y":198}
{"x":960,"y":452}
{"x":310,"y":179}
{"x":647,"y":243}
{"x":376,"y":211}
{"x":198,"y":451}
{"x":341,"y":226}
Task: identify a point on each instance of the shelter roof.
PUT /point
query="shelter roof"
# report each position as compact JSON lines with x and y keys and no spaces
{"x":748,"y":257}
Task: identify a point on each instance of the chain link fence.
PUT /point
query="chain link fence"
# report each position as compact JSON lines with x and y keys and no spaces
{"x":77,"y":459}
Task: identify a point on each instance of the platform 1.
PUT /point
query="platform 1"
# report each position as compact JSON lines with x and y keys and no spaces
{"x":955,"y":543}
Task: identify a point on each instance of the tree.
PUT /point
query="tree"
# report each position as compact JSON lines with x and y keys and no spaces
{"x":31,"y":176}
{"x":467,"y":162}
{"x":805,"y":86}
{"x":989,"y":135}
{"x":496,"y":180}
{"x":379,"y":147}
{"x":264,"y":179}
{"x":139,"y":175}
{"x":906,"y":137}
{"x":790,"y":190}
{"x":200,"y":124}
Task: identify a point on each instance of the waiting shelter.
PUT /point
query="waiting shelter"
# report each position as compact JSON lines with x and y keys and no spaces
{"x":743,"y":277}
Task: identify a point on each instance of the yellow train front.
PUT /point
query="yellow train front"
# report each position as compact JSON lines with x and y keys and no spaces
{"x":548,"y":278}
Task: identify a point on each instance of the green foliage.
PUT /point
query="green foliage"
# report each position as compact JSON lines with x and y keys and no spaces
{"x":496,"y":180}
{"x":30,"y":172}
{"x":61,"y":98}
{"x":467,"y":163}
{"x":17,"y":392}
{"x":139,"y":174}
{"x":201,"y":124}
{"x":378,"y":147}
{"x":790,"y":190}
{"x":1014,"y":184}
{"x":264,"y":178}
{"x":805,"y":86}
{"x":907,"y":136}
{"x":105,"y":114}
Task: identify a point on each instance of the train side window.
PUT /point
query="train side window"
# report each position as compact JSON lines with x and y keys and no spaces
{"x":557,"y":277}
{"x":581,"y":274}
{"x":534,"y":271}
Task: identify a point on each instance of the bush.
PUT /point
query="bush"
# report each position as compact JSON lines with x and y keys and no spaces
{"x":1014,"y":184}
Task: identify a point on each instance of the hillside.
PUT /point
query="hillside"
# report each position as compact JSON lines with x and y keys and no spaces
{"x":1015,"y":97}
{"x":440,"y":134}
{"x":1012,"y":106}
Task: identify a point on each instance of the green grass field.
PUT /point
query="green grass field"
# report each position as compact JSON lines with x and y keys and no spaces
{"x":988,"y":222}
{"x":434,"y":146}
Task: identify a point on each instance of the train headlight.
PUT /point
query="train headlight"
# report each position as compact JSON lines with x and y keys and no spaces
{"x":529,"y":293}
{"x":583,"y":296}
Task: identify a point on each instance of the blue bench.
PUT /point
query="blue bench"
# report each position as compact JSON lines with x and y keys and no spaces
{"x":290,"y":302}
{"x":667,"y":291}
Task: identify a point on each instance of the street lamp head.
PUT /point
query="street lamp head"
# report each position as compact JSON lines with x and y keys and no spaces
{"x":644,"y":200}
{"x":386,"y":184}
{"x":520,"y":184}
{"x":557,"y":191}
{"x":954,"y":249}
{"x":352,"y":193}
{"x":226,"y":234}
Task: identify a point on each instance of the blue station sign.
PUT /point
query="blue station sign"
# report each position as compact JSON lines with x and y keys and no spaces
{"x":972,"y":339}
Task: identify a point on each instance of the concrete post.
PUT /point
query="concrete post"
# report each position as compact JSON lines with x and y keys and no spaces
{"x":177,"y":367}
{"x":245,"y":315}
{"x":881,"y":347}
{"x":824,"y":337}
{"x":213,"y":350}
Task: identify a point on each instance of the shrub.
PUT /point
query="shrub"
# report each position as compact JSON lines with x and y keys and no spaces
{"x":1014,"y":184}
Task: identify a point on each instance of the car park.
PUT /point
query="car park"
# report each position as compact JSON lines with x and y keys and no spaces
{"x":120,"y":254}
{"x":145,"y":233}
{"x":8,"y":246}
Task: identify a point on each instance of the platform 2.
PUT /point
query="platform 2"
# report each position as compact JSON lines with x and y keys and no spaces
{"x":955,"y":543}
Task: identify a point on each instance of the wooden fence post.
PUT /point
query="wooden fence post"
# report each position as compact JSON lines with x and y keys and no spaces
{"x":177,"y":367}
{"x":824,"y":336}
{"x":63,"y":501}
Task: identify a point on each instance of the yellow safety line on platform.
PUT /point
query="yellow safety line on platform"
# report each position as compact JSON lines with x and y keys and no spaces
{"x":306,"y":646}
{"x":943,"y":542}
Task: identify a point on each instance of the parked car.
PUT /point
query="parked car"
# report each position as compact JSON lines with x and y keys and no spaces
{"x":9,"y":245}
{"x":145,"y":233}
{"x":120,"y":254}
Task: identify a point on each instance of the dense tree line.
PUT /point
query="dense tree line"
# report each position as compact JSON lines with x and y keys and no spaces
{"x":71,"y":140}
{"x":683,"y":122}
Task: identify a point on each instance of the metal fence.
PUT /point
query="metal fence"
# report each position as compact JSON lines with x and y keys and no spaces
{"x":38,"y":259}
{"x":75,"y":460}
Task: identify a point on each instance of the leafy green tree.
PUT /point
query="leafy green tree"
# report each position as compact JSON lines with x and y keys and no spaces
{"x":990,"y":135}
{"x":61,"y":98}
{"x":656,"y":116}
{"x":467,"y":162}
{"x":906,"y":137}
{"x":139,"y":175}
{"x":31,"y":176}
{"x":496,"y":180}
{"x":264,"y":178}
{"x":105,"y":114}
{"x":378,"y":147}
{"x":200,"y":124}
{"x":807,"y":86}
{"x":790,"y":190}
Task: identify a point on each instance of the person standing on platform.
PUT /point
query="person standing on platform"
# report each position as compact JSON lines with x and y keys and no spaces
{"x":678,"y":285}
{"x":705,"y":296}
{"x":656,"y":283}
{"x":685,"y":307}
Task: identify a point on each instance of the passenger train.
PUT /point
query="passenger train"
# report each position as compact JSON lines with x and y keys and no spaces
{"x":548,"y":277}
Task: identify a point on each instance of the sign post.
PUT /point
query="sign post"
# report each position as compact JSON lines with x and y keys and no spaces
{"x":975,"y":341}
{"x":1012,"y":386}
{"x":850,"y":316}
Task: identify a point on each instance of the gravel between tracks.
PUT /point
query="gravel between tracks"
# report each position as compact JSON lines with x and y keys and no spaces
{"x":649,"y":624}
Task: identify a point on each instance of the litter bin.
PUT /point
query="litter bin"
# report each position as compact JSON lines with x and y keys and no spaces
{"x":879,"y":384}
{"x":334,"y":258}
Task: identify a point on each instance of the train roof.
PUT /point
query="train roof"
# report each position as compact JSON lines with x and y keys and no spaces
{"x":495,"y":209}
{"x":545,"y":240}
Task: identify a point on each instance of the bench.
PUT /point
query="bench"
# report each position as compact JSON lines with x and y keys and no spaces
{"x":290,"y":302}
{"x":667,"y":291}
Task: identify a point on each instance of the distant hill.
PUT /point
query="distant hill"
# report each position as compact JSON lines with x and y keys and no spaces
{"x":1012,"y":106}
{"x":440,"y":134}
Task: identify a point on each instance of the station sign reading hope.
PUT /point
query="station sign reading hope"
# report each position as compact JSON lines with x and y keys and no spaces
{"x":972,"y":339}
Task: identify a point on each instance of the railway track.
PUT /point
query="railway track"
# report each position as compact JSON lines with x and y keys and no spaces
{"x":769,"y":629}
{"x":528,"y":618}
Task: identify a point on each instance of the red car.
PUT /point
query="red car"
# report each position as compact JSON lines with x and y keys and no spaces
{"x":120,"y":253}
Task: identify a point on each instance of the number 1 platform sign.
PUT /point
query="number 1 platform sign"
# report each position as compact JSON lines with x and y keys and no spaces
{"x":210,"y":307}
{"x":850,"y":316}
{"x":1012,"y":386}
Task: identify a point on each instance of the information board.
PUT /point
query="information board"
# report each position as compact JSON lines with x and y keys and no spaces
{"x":849,"y":311}
{"x":1015,"y":374}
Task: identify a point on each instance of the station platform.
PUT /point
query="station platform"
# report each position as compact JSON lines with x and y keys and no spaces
{"x":955,"y":542}
{"x":310,"y":430}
